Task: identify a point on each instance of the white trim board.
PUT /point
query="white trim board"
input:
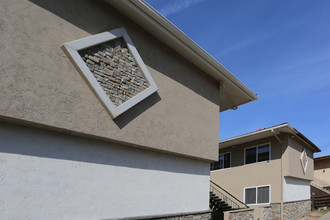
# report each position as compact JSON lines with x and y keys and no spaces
{"x":72,"y":48}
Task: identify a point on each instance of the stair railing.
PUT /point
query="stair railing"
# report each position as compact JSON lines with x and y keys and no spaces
{"x":320,"y":182}
{"x":226,"y":196}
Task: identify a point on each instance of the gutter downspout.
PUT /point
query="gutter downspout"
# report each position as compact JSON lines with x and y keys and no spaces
{"x":282,"y":205}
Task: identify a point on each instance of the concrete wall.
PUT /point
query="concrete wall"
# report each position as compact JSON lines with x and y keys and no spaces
{"x":46,"y":175}
{"x":291,"y":160}
{"x":322,"y":170}
{"x":296,"y":189}
{"x":239,"y":175}
{"x":40,"y":85}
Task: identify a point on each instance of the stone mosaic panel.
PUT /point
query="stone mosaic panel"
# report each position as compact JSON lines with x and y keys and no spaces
{"x":297,"y":210}
{"x":115,"y":69}
{"x":241,"y":215}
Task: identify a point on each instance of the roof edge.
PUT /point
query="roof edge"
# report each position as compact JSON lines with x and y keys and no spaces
{"x":220,"y":73}
{"x":322,"y":158}
{"x":279,"y":128}
{"x":191,"y":44}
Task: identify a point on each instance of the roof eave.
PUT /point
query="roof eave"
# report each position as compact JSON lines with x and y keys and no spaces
{"x":169,"y":34}
{"x":285,"y":128}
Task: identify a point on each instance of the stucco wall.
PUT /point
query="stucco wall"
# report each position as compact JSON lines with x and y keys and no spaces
{"x":322,"y":170}
{"x":46,"y":175}
{"x":39,"y":84}
{"x":296,"y":189}
{"x":239,"y":175}
{"x":291,"y":161}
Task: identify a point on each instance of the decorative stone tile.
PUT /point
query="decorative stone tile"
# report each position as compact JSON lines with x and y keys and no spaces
{"x":272,"y":212}
{"x":297,"y":210}
{"x":241,"y":215}
{"x":113,"y":68}
{"x":291,"y":210}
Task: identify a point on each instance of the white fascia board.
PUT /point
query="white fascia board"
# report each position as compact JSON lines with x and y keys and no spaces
{"x":267,"y":132}
{"x":143,"y":14}
{"x":253,"y":136}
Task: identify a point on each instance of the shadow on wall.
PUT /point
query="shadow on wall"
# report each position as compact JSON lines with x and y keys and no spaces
{"x":97,"y":16}
{"x":16,"y":139}
{"x":128,"y":116}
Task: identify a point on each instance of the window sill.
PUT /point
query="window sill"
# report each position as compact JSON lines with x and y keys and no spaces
{"x":258,"y":204}
{"x":221,"y":169}
{"x":266,"y":161}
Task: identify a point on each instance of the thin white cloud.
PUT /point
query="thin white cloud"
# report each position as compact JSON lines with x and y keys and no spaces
{"x":176,"y":6}
{"x":295,"y":80}
{"x":258,"y":37}
{"x":245,"y":43}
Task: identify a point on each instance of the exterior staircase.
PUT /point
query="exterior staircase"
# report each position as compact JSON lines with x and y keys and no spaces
{"x":217,"y":204}
{"x":320,"y":195}
{"x":221,"y":200}
{"x":320,"y":184}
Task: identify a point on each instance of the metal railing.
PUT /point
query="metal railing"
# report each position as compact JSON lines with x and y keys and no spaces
{"x":320,"y":182}
{"x":226,"y":196}
{"x":321,"y":201}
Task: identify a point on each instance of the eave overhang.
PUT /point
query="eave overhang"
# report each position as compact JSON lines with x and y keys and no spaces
{"x":233,"y":91}
{"x":322,"y":158}
{"x":267,"y":132}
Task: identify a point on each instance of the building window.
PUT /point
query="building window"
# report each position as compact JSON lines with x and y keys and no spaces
{"x":257,"y":154}
{"x":257,"y":195}
{"x":223,"y":163}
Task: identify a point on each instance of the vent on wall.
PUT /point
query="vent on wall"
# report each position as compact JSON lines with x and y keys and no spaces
{"x":113,"y":68}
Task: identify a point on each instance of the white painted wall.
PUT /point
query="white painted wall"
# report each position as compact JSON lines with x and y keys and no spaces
{"x":295,"y":189}
{"x":45,"y":175}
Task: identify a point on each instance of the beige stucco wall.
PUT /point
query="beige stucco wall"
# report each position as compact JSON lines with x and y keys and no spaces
{"x":39,"y":84}
{"x":239,"y":175}
{"x":322,"y":170}
{"x":291,"y":160}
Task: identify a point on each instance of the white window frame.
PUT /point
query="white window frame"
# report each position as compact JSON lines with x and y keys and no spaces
{"x":256,"y":187}
{"x":72,"y":50}
{"x":256,"y":146}
{"x":229,"y":161}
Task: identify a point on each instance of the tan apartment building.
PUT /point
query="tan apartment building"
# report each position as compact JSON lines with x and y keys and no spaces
{"x":320,"y":186}
{"x":322,"y":171}
{"x":108,"y":111}
{"x":269,"y":170}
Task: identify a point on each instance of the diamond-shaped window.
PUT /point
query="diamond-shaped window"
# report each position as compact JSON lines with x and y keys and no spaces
{"x":304,"y":160}
{"x":113,"y":68}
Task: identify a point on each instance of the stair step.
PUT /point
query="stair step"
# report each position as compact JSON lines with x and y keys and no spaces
{"x":225,"y":209}
{"x":218,"y":204}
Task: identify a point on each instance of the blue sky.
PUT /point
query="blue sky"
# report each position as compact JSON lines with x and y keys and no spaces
{"x":279,"y":49}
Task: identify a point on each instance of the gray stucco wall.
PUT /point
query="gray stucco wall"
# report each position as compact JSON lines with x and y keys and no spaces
{"x":46,"y":175}
{"x":39,"y":84}
{"x":293,"y":167}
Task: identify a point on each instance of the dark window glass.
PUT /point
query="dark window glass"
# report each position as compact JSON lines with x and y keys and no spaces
{"x":250,"y":155}
{"x":215,"y":165}
{"x":226,"y":160}
{"x":250,"y":196}
{"x":263,"y":194}
{"x":263,"y":153}
{"x":221,"y":161}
